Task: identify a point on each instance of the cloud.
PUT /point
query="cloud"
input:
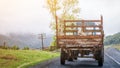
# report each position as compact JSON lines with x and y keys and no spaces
{"x":24,"y":16}
{"x":92,"y":9}
{"x":31,"y":16}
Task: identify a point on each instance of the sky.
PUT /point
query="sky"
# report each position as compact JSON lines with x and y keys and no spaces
{"x":31,"y":16}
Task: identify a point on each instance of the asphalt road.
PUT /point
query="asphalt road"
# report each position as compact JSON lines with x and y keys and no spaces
{"x":83,"y":62}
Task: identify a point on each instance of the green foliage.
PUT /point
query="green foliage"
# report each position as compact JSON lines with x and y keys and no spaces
{"x":5,"y":47}
{"x":67,"y":9}
{"x":53,"y":43}
{"x":112,"y":39}
{"x":26,"y":48}
{"x":64,"y":9}
{"x":53,"y":6}
{"x":117,"y":46}
{"x":15,"y":47}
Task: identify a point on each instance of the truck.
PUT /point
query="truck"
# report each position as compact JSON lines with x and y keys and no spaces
{"x":81,"y":39}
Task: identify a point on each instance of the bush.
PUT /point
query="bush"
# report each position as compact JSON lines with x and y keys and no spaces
{"x":52,"y":48}
{"x":5,"y":47}
{"x":15,"y":47}
{"x":26,"y":48}
{"x":8,"y":47}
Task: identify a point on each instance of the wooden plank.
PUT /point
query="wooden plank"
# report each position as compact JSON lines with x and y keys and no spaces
{"x":92,"y":30}
{"x":82,"y":20}
{"x":73,"y":44}
{"x":81,"y":45}
{"x":70,"y":30}
{"x":63,"y":41}
{"x":98,"y":26}
{"x":80,"y":37}
{"x":84,"y":26}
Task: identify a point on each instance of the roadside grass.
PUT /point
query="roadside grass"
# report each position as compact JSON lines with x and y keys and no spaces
{"x":117,"y":46}
{"x":107,"y":46}
{"x":23,"y":58}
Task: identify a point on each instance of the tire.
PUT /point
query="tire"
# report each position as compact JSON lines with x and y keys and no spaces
{"x":101,"y":58}
{"x":100,"y":62}
{"x":62,"y":58}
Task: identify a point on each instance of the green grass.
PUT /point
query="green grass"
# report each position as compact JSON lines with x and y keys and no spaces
{"x":117,"y":46}
{"x":107,"y":46}
{"x":23,"y":58}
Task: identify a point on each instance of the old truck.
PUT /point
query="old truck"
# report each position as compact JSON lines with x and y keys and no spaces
{"x":81,"y":39}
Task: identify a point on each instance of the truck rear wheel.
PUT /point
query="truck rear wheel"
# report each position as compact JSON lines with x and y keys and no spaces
{"x":100,"y":62}
{"x":101,"y":58}
{"x":62,"y":57}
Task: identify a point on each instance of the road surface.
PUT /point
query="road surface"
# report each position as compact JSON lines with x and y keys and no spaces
{"x":110,"y":61}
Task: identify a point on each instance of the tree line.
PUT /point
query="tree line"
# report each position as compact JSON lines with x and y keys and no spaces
{"x":112,"y":39}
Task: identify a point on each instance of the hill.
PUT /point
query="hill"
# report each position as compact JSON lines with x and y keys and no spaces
{"x":23,"y":40}
{"x":112,"y":39}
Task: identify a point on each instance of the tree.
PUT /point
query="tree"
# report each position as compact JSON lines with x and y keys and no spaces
{"x":63,"y":9}
{"x":112,"y":39}
{"x":26,"y":48}
{"x":15,"y":47}
{"x":53,"y":6}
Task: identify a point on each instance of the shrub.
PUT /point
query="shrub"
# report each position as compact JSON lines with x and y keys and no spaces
{"x":15,"y":47}
{"x":26,"y":48}
{"x":5,"y":47}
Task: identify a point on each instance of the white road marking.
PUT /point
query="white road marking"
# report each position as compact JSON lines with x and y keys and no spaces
{"x":23,"y":65}
{"x":112,"y":59}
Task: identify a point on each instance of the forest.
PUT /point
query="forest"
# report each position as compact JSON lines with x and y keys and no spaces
{"x":112,"y":39}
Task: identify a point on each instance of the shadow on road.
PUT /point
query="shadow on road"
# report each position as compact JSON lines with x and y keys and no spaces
{"x":89,"y":63}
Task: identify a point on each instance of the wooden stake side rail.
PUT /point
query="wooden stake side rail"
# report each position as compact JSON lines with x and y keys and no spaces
{"x":70,"y":31}
{"x":82,"y":48}
{"x":92,"y":34}
{"x":80,"y":45}
{"x":84,"y":31}
{"x":80,"y":37}
{"x":80,"y":40}
{"x":92,"y":30}
{"x":83,"y":43}
{"x":82,"y":21}
{"x":98,"y":26}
